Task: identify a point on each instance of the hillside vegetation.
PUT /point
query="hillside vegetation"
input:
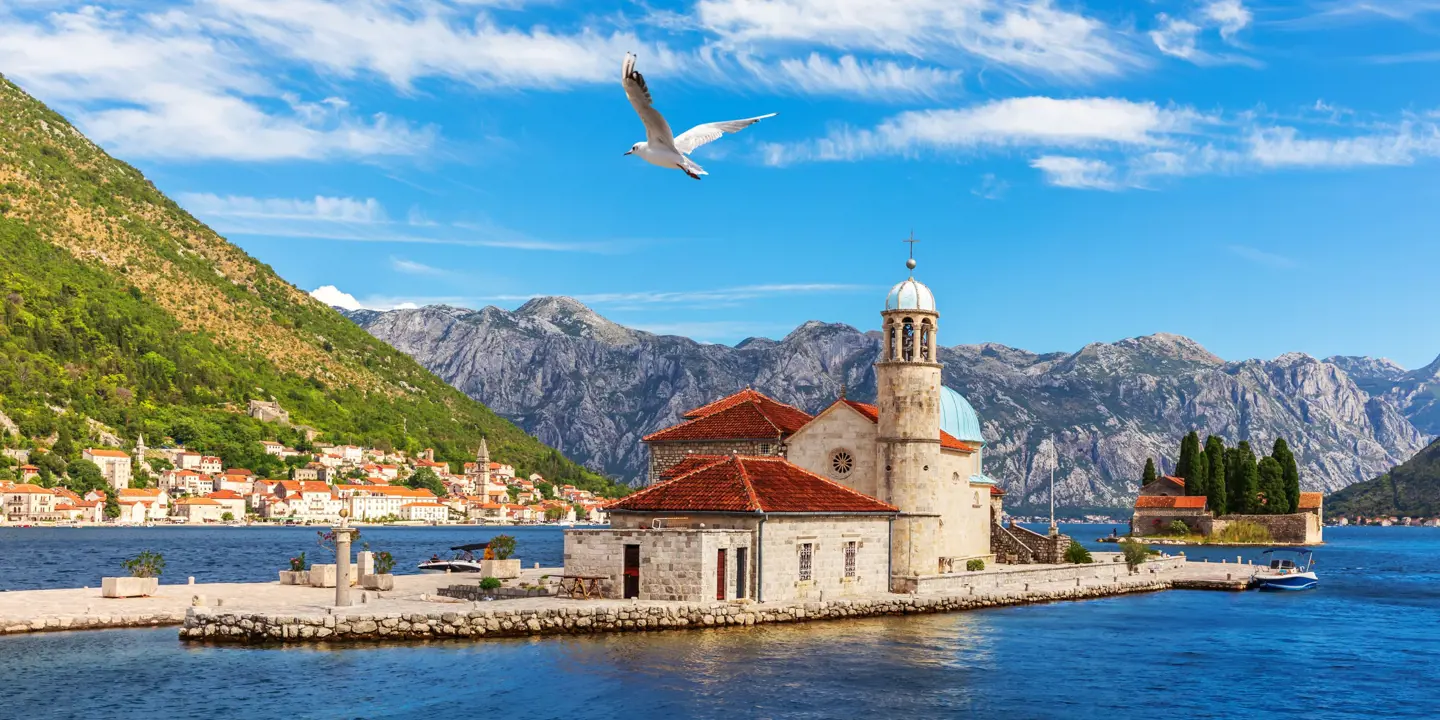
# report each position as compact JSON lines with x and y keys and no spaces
{"x":1412,"y":488}
{"x":120,"y":307}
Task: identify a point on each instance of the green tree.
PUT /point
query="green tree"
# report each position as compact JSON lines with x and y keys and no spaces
{"x":425,"y":478}
{"x":1189,"y":467}
{"x":1290,"y":473}
{"x":86,"y":476}
{"x":1149,"y":475}
{"x":1248,"y":483}
{"x":65,"y":443}
{"x":1272,"y":487}
{"x":1215,"y":487}
{"x":1199,"y":485}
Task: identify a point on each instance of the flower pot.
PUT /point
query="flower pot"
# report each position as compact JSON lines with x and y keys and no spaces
{"x":294,"y":577}
{"x":127,"y":587}
{"x":378,"y":582}
{"x":500,"y":569}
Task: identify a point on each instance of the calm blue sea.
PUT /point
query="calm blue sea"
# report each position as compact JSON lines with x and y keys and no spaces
{"x":1366,"y":644}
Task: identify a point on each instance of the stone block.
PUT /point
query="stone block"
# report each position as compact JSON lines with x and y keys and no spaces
{"x":378,"y":582}
{"x":365,"y":563}
{"x":127,"y":587}
{"x":322,"y":576}
{"x":500,"y":569}
{"x":294,"y":577}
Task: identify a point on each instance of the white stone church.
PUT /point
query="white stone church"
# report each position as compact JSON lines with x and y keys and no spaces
{"x":750,"y":498}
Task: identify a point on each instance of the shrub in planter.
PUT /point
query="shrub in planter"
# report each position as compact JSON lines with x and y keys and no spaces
{"x":490,"y":583}
{"x":502,"y":547}
{"x":299,"y":563}
{"x":1077,"y":554}
{"x":974,"y":564}
{"x":384,"y":562}
{"x":144,"y":580}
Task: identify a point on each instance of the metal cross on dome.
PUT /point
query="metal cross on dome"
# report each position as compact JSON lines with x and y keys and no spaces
{"x":911,"y":242}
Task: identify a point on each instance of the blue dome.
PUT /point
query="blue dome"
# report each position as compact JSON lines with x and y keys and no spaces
{"x":910,"y":295}
{"x":958,"y":418}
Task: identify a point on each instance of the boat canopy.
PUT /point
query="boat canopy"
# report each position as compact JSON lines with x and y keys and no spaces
{"x":1297,"y":551}
{"x":472,"y":546}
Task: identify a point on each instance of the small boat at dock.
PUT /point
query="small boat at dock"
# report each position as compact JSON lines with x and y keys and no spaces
{"x":464,"y":560}
{"x":1287,"y":574}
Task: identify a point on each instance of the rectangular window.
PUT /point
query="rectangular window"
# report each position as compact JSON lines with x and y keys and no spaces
{"x":807,"y":557}
{"x":850,"y":559}
{"x":720,"y":575}
{"x":740,"y":573}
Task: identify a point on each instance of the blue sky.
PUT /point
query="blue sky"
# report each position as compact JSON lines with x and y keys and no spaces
{"x":1260,"y":176}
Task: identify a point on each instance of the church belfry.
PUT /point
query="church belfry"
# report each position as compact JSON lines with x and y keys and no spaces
{"x":908,"y":403}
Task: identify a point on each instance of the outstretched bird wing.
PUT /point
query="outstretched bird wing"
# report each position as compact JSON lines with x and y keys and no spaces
{"x":710,"y":132}
{"x":657,"y":131}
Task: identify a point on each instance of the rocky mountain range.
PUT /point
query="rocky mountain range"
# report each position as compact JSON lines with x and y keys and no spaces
{"x":593,"y":388}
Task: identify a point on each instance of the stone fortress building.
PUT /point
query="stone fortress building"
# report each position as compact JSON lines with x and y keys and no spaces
{"x":753,"y":498}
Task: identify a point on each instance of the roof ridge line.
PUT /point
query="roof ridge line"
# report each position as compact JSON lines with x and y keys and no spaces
{"x":749,"y":487}
{"x":846,"y":488}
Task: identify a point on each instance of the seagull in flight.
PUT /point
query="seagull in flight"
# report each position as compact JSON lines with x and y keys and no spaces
{"x":661,"y":147}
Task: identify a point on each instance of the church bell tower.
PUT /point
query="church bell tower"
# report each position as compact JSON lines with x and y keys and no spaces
{"x":908,"y":398}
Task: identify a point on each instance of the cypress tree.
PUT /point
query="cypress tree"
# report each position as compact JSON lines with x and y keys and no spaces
{"x":1200,"y":469}
{"x":1215,"y":484}
{"x":1247,"y":484}
{"x":1149,"y":475}
{"x":1272,"y":486}
{"x":1185,"y":466}
{"x":1291,"y":473}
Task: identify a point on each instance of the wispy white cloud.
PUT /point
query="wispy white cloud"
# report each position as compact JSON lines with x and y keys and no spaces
{"x":817,"y":74}
{"x":410,"y":267}
{"x":990,"y":187}
{"x":361,"y":220}
{"x":1262,"y":257}
{"x":1028,"y":121}
{"x":1181,"y":36}
{"x":1073,"y":172}
{"x":1031,"y":36}
{"x":695,"y":298}
{"x":1403,"y":145}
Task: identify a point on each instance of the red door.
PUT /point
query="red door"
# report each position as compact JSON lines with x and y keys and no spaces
{"x":720,"y":576}
{"x":632,"y":571}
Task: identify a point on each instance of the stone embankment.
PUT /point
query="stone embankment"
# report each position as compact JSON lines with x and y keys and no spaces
{"x":475,"y":620}
{"x":53,"y":623}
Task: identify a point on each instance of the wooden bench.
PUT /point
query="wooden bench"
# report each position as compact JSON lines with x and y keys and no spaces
{"x":582,"y":587}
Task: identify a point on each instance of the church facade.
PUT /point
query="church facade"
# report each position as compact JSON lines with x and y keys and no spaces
{"x":859,"y":498}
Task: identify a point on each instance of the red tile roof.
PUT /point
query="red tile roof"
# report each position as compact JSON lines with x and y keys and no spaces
{"x":1311,"y":500}
{"x":748,"y":419}
{"x":872,"y":413}
{"x":225,"y":495}
{"x":995,"y":490}
{"x":104,"y":452}
{"x":1178,"y":502}
{"x":719,"y":483}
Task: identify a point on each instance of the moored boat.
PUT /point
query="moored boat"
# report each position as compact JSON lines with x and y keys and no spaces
{"x":464,"y":560}
{"x":1287,"y":573}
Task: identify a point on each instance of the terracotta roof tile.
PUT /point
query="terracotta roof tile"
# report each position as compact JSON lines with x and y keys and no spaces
{"x":720,"y":483}
{"x":1179,"y":502}
{"x":995,"y":490}
{"x":105,"y":452}
{"x":743,"y":421}
{"x":27,"y":489}
{"x":1311,"y":500}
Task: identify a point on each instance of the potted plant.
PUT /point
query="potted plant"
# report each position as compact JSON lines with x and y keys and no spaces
{"x":497,"y":563}
{"x":299,"y":572}
{"x":490,"y":585}
{"x":144,"y":579}
{"x":382,"y":579}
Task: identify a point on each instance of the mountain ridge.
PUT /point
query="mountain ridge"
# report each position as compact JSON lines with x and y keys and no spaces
{"x":120,"y":307}
{"x":1109,"y":405}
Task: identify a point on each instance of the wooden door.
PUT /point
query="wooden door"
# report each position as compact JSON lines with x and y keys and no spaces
{"x":740,"y":573}
{"x":632,"y":571}
{"x":720,"y":576}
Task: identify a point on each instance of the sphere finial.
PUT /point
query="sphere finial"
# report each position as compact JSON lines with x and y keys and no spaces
{"x":910,"y":263}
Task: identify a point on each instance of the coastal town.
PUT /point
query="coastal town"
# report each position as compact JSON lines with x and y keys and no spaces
{"x":365,"y":484}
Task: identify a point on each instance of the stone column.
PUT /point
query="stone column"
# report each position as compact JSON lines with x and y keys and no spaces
{"x":343,"y":536}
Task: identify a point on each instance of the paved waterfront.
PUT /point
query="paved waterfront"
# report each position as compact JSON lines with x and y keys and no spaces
{"x":57,"y":610}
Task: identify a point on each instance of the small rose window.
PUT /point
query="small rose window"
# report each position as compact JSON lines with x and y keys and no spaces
{"x":841,"y":463}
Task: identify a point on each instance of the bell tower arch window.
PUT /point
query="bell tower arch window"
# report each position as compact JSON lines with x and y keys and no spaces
{"x":890,"y":331}
{"x":907,"y":340}
{"x":927,"y":339}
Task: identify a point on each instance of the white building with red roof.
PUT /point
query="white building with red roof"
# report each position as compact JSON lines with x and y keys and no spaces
{"x":114,"y":465}
{"x":754,"y":498}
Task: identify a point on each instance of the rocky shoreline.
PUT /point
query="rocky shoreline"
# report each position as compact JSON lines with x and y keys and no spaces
{"x":475,"y":621}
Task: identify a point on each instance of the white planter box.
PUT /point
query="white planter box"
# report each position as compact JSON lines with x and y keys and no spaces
{"x":322,"y":576}
{"x":294,"y":577}
{"x":500,"y":569}
{"x":378,"y":582}
{"x":128,"y":587}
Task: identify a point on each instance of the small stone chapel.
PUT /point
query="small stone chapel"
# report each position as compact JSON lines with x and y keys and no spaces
{"x":750,"y":498}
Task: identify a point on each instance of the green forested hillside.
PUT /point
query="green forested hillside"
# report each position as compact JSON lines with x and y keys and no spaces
{"x":120,"y":307}
{"x":1412,"y":488}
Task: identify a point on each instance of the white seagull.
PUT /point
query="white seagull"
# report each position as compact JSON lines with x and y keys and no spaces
{"x":661,"y":147}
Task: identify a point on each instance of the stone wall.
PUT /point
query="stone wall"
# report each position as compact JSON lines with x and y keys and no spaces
{"x":1107,"y":568}
{"x":90,"y":622}
{"x":1016,"y":545}
{"x":840,"y":427}
{"x":675,"y":564}
{"x":220,"y":626}
{"x":665,"y":454}
{"x":1302,"y":528}
{"x":827,"y":536}
{"x":1156,"y":521}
